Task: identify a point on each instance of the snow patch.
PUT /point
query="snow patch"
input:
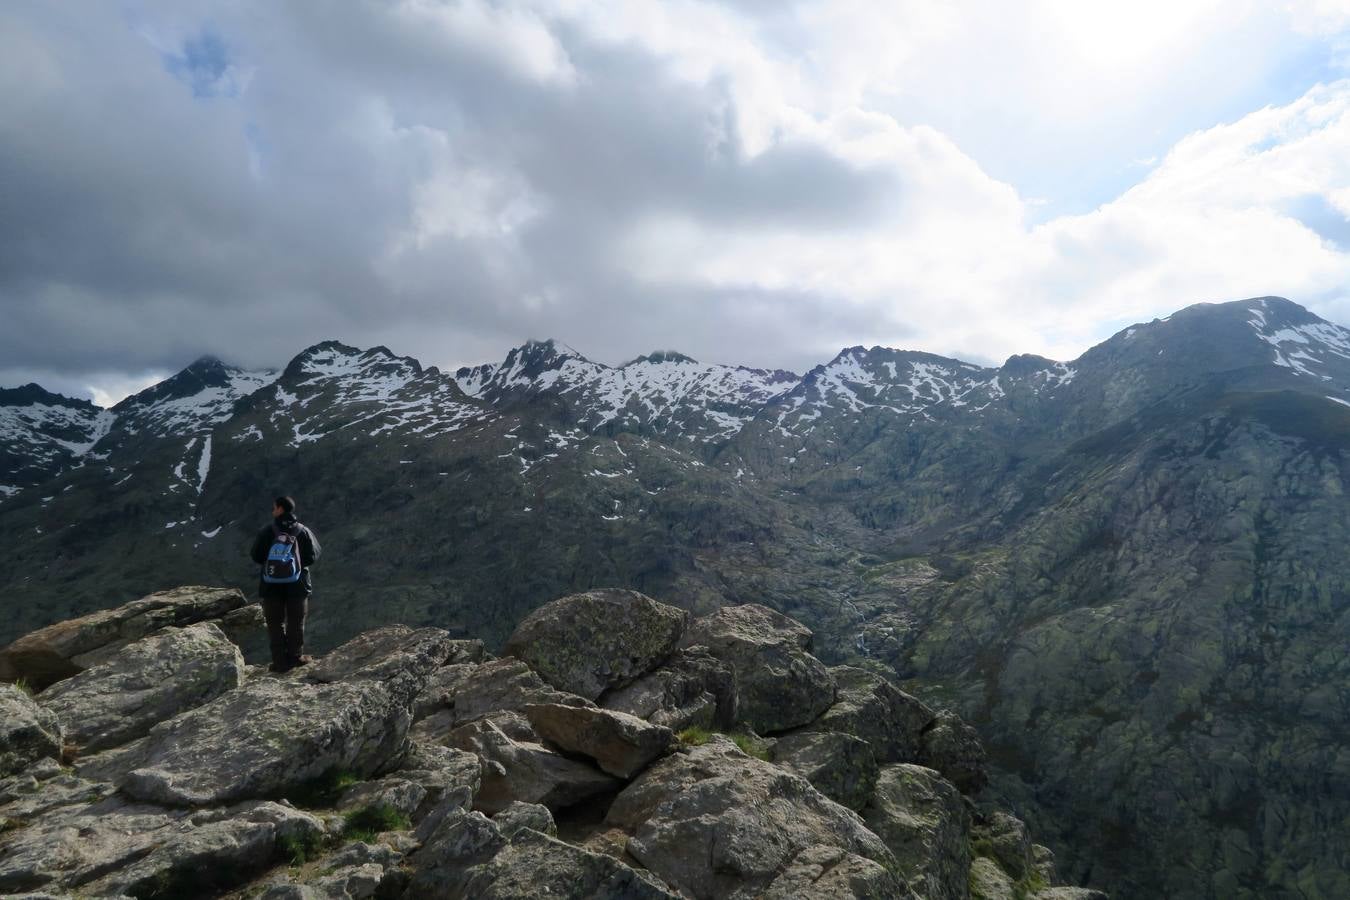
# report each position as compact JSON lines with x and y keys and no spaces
{"x":204,"y":464}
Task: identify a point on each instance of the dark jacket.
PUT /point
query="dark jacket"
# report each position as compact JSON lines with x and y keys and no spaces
{"x":309,"y":555}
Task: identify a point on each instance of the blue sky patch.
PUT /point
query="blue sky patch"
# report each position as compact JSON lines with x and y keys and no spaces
{"x":204,"y":64}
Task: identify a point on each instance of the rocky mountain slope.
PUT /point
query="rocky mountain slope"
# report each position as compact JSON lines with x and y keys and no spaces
{"x":1124,"y":571}
{"x":43,"y":434}
{"x":621,"y":751}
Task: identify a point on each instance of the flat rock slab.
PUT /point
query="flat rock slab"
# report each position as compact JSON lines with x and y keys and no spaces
{"x":531,"y":773}
{"x":469,"y":858}
{"x":259,"y":741}
{"x":59,"y":651}
{"x":869,"y":707}
{"x":144,"y":683}
{"x":27,"y":731}
{"x":779,"y":683}
{"x":381,"y":653}
{"x":111,"y":848}
{"x":620,"y":744}
{"x":828,"y":873}
{"x":45,"y":789}
{"x":589,"y":643}
{"x":535,"y":865}
{"x":714,"y":823}
{"x":923,"y":819}
{"x":460,"y":693}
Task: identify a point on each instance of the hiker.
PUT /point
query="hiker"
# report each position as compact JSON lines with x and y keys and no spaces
{"x":285,"y":549}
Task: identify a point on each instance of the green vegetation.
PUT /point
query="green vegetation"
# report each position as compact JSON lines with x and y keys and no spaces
{"x":323,"y":791}
{"x":1030,"y":886}
{"x":695,"y":736}
{"x":189,"y":882}
{"x":365,"y":823}
{"x":749,"y":745}
{"x":23,"y":685}
{"x":300,"y":850}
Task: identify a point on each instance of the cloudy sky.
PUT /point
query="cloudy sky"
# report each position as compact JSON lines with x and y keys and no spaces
{"x":751,"y":181}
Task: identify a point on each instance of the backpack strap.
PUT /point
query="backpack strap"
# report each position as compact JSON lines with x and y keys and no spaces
{"x":294,"y":532}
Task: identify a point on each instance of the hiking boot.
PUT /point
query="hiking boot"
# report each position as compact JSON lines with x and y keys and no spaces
{"x":301,"y":661}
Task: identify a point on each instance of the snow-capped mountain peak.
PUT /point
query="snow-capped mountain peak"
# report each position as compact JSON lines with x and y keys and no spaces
{"x":333,"y":388}
{"x":900,"y":381}
{"x":662,"y":356}
{"x":665,"y":391}
{"x":42,"y":434}
{"x":196,"y":399}
{"x":1302,"y":342}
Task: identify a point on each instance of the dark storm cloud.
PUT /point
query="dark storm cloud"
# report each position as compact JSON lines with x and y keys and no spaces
{"x":246,"y":182}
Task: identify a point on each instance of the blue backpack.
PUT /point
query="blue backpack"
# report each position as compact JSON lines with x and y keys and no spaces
{"x":283,"y":559}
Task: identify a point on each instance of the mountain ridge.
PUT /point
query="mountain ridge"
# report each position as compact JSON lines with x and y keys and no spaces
{"x":1129,"y":557}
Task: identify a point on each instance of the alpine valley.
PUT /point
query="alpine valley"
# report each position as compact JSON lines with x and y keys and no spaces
{"x":1127,"y":572}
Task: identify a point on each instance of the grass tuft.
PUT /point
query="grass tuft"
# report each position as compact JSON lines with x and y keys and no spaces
{"x":749,"y":745}
{"x":364,"y":823}
{"x":324,"y":791}
{"x":694,"y":736}
{"x":300,"y":850}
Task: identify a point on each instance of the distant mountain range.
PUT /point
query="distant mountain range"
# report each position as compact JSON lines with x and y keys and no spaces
{"x":1126,"y":570}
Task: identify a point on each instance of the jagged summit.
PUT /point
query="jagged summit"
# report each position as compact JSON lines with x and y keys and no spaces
{"x":329,"y":359}
{"x":1264,"y":339}
{"x":534,"y":358}
{"x":1023,"y":364}
{"x":661,"y":356}
{"x":32,"y":394}
{"x":1279,"y":310}
{"x":43,"y":434}
{"x":200,"y":396}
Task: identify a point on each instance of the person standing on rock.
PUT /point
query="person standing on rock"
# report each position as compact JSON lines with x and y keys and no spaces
{"x":285,"y":550}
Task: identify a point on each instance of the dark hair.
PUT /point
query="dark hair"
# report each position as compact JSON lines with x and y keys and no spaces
{"x":286,"y":503}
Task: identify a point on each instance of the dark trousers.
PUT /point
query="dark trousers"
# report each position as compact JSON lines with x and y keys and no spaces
{"x":286,"y":627}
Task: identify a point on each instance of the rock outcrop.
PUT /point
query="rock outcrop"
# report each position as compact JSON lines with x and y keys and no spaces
{"x":620,"y":744}
{"x":691,"y":689}
{"x":59,"y":651}
{"x":144,"y":683}
{"x":589,"y":643}
{"x":840,"y":766}
{"x":780,"y":685}
{"x":27,"y":731}
{"x":198,"y":777}
{"x":713,"y":822}
{"x":869,"y":707}
{"x":924,"y":821}
{"x":525,"y":771}
{"x":460,"y":693}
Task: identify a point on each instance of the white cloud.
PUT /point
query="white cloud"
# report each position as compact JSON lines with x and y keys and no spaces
{"x":447,"y":178}
{"x":956,"y":264}
{"x":518,"y":38}
{"x":1319,"y":17}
